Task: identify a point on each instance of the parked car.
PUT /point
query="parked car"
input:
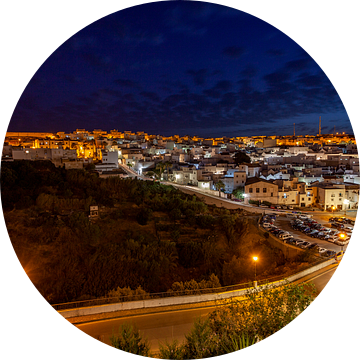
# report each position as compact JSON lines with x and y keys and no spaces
{"x":326,"y":230}
{"x":348,"y":229}
{"x":290,"y":207}
{"x":329,"y":253}
{"x":313,"y":233}
{"x":291,"y":241}
{"x":332,"y":238}
{"x":337,"y":225}
{"x":299,"y":242}
{"x":313,"y":246}
{"x":284,"y":207}
{"x":322,"y":250}
{"x":341,"y":242}
{"x":305,"y":244}
{"x":285,"y":236}
{"x":303,"y":217}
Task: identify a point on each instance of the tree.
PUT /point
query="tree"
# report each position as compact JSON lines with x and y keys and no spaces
{"x":167,"y":165}
{"x":219,"y":186}
{"x":160,"y":167}
{"x":143,"y":215}
{"x":129,"y":339}
{"x":238,"y":193}
{"x":263,"y":312}
{"x":227,"y":225}
{"x":241,"y":157}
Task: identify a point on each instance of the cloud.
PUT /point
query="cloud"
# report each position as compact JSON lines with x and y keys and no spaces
{"x":276,"y":78}
{"x":144,"y":37}
{"x":297,"y":65}
{"x":275,"y":52}
{"x":80,"y":42}
{"x":150,"y":95}
{"x":249,"y":72}
{"x":99,"y":62}
{"x":223,"y":85}
{"x":126,"y":83}
{"x":188,"y":20}
{"x":72,"y":79}
{"x":198,"y":76}
{"x":233,"y":52}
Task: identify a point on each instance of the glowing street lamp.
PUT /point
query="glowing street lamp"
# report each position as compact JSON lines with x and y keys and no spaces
{"x":333,"y":208}
{"x":255,"y":258}
{"x":342,"y":236}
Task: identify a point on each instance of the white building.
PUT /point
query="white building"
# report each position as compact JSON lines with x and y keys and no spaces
{"x":186,"y":176}
{"x":330,"y":196}
{"x":43,"y":154}
{"x":110,"y":157}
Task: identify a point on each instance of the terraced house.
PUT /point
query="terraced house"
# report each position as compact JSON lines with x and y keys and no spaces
{"x":257,"y":189}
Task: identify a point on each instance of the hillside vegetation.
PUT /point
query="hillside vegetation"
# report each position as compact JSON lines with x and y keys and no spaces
{"x":148,"y":236}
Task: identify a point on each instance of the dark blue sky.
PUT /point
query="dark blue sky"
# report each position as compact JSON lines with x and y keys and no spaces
{"x":180,"y":68}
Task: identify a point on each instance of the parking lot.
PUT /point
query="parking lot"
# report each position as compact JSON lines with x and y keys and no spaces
{"x":325,"y":238}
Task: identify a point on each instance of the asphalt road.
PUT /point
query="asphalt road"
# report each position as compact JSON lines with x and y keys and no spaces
{"x":159,"y":327}
{"x":166,"y":326}
{"x":170,"y":325}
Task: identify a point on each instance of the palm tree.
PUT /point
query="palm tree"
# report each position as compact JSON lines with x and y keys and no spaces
{"x":167,"y":164}
{"x":219,"y":186}
{"x":160,"y":167}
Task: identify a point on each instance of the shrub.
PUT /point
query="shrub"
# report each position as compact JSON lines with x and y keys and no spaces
{"x":128,"y":294}
{"x":130,"y":340}
{"x":143,"y":215}
{"x":171,"y":350}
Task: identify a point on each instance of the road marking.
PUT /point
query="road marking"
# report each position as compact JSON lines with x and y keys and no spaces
{"x":325,"y":272}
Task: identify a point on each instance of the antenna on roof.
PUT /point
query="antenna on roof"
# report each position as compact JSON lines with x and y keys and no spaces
{"x":320,"y":126}
{"x":294,"y":129}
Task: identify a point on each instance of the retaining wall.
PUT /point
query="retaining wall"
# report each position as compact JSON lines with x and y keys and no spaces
{"x":180,"y":300}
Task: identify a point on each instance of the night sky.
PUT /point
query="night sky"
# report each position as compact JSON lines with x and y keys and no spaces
{"x":186,"y":68}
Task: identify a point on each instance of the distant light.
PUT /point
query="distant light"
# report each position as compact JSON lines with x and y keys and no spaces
{"x":255,"y":258}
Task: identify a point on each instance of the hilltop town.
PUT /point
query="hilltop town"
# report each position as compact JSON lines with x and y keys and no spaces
{"x":307,"y":172}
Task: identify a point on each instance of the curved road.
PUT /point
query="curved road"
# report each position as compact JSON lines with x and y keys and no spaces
{"x":169,"y":325}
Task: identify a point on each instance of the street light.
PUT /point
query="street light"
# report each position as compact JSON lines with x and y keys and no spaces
{"x":342,"y":236}
{"x":333,"y":208}
{"x":346,"y":201}
{"x":255,"y":258}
